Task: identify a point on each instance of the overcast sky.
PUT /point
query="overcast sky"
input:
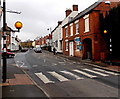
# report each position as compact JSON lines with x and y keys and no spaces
{"x":39,"y":15}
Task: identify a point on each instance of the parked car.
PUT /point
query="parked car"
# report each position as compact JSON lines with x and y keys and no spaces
{"x":38,"y":50}
{"x":8,"y":54}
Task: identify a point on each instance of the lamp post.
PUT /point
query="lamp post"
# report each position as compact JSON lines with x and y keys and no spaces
{"x":18,"y":25}
{"x":50,"y":40}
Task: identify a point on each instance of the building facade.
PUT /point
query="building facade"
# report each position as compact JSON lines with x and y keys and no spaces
{"x":82,"y":35}
{"x":57,"y":33}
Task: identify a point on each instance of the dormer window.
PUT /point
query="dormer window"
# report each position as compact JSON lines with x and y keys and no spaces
{"x":70,"y":18}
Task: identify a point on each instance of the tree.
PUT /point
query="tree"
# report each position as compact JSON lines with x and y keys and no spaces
{"x":111,"y":23}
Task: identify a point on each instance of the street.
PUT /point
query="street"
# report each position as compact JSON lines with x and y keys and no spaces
{"x":59,"y":77}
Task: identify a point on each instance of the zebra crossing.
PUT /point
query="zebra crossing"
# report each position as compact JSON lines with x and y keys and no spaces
{"x":77,"y":74}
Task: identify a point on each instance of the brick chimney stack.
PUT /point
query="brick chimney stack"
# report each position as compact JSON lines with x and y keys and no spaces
{"x":75,"y":7}
{"x":68,"y":11}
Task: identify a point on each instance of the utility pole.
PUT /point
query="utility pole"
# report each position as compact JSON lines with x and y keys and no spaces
{"x":18,"y":26}
{"x":4,"y":76}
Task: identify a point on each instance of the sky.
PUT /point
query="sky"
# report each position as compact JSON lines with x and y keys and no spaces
{"x":39,"y":15}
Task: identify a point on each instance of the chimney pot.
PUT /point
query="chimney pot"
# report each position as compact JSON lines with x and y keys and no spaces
{"x":59,"y":22}
{"x":68,"y":11}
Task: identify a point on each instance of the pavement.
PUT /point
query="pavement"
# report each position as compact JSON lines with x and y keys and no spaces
{"x":115,"y":66}
{"x":19,"y":84}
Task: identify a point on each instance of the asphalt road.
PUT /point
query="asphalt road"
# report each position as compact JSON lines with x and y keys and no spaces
{"x":60,"y":77}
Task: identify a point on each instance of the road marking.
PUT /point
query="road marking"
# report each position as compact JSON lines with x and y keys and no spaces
{"x":54,"y":64}
{"x":84,"y":73}
{"x":35,"y":66}
{"x":20,"y":64}
{"x":61,"y":62}
{"x":71,"y":74}
{"x":102,"y":74}
{"x":58,"y":76}
{"x":44,"y":78}
{"x":44,"y":60}
{"x":106,"y":71}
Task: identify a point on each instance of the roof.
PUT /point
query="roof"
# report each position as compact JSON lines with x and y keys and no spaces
{"x":87,"y":10}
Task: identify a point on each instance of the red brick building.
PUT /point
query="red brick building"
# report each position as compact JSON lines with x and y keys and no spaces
{"x":82,"y":35}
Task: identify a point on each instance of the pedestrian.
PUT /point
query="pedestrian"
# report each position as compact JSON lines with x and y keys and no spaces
{"x":54,"y":50}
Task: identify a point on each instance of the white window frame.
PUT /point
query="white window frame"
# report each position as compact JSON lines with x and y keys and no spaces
{"x":76,"y":27}
{"x":77,"y":44}
{"x":66,"y":45}
{"x":66,"y":31}
{"x":87,"y":24}
{"x":71,"y":29}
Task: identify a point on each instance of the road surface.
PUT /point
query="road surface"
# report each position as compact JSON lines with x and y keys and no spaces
{"x":60,"y":77}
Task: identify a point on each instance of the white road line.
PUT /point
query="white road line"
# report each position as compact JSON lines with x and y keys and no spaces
{"x":84,"y":73}
{"x":58,"y":76}
{"x":71,"y":74}
{"x":106,"y":71}
{"x":44,"y":78}
{"x":102,"y":74}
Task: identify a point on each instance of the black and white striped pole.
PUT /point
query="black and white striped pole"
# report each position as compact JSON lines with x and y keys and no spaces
{"x":110,"y":50}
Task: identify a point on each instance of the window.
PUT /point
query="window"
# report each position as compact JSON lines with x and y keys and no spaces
{"x":66,"y":31}
{"x":71,"y":30}
{"x":77,"y":40}
{"x":66,"y":46}
{"x":77,"y":28}
{"x":86,"y":18}
{"x":70,"y":18}
{"x":77,"y":46}
{"x":56,"y":43}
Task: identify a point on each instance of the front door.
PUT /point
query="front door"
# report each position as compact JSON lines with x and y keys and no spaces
{"x":71,"y":49}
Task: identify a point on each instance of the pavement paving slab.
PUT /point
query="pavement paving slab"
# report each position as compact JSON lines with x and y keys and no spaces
{"x":19,"y":85}
{"x":21,"y":91}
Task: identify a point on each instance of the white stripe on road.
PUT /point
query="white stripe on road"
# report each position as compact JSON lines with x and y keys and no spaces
{"x":106,"y":71}
{"x":102,"y":74}
{"x":84,"y":73}
{"x":44,"y":78}
{"x":58,"y":76}
{"x":71,"y":74}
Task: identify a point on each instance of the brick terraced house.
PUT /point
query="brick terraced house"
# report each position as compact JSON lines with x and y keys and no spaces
{"x":82,"y":35}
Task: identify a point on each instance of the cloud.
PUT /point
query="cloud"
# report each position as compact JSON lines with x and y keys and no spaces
{"x":38,"y":15}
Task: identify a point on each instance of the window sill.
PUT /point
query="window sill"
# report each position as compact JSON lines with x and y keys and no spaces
{"x":66,"y":50}
{"x":77,"y":50}
{"x":87,"y":31}
{"x":76,"y":33}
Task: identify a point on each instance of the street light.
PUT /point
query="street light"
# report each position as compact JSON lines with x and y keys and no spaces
{"x":18,"y":25}
{"x":105,"y":31}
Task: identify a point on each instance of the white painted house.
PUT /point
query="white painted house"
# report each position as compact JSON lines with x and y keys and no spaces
{"x":14,"y":42}
{"x":57,"y":33}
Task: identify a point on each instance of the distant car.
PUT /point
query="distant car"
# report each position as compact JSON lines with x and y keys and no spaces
{"x":38,"y":50}
{"x":24,"y":49}
{"x":8,"y":54}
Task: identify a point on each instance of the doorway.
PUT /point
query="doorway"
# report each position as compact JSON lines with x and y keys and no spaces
{"x":71,"y":48}
{"x":87,"y":48}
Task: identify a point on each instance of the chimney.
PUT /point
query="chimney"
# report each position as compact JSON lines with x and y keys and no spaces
{"x":75,"y":7}
{"x":59,"y":22}
{"x":68,"y":11}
